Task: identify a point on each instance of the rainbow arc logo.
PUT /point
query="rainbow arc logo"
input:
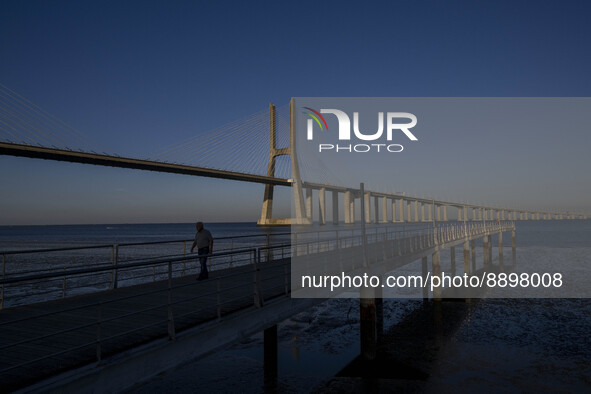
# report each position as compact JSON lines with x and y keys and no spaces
{"x":315,"y":115}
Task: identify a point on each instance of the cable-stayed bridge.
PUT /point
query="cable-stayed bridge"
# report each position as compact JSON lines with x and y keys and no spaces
{"x":260,"y":148}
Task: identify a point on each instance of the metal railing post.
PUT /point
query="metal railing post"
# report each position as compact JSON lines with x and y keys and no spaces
{"x":286,"y":277}
{"x":99,"y":333}
{"x":113,"y":264}
{"x":258,"y":298}
{"x":231,"y":249}
{"x":64,"y":284}
{"x":116,"y":279}
{"x":3,"y":277}
{"x":219,"y":301}
{"x":170,"y":316}
{"x":184,"y":255}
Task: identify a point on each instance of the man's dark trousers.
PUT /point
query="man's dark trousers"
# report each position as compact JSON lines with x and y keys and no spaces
{"x":203,"y":260}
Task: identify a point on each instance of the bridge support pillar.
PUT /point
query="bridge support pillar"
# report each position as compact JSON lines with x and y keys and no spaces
{"x":376,"y":209}
{"x":473,"y":213}
{"x":424,"y":268}
{"x":384,"y":209}
{"x":393,"y":211}
{"x":347,"y":207}
{"x":408,"y":209}
{"x":436,"y":268}
{"x":335,"y":207}
{"x":401,"y":206}
{"x":270,"y":355}
{"x":513,"y":241}
{"x":445,"y":213}
{"x":309,"y":203}
{"x":452,"y":253}
{"x":321,"y":206}
{"x":438,"y":213}
{"x":430,"y":209}
{"x":460,"y":214}
{"x":416,"y":205}
{"x":367,"y":198}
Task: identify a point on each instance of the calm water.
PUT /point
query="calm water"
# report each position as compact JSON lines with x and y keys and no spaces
{"x":500,"y":345}
{"x":23,"y":237}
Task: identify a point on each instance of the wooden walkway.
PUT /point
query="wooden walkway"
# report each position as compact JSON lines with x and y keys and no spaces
{"x":44,"y":339}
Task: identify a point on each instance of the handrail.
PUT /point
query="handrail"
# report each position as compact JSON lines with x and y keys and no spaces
{"x":120,"y":266}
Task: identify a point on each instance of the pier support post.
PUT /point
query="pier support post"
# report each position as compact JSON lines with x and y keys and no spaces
{"x":466,"y":258}
{"x":401,"y":206}
{"x":416,"y":204}
{"x":393,"y":210}
{"x":490,"y":247}
{"x":485,"y":251}
{"x":436,"y":268}
{"x":459,"y":214}
{"x":270,"y":355}
{"x":367,"y":323}
{"x":501,"y":249}
{"x":438,"y":213}
{"x":367,"y":198}
{"x":452,"y":253}
{"x":424,"y":263}
{"x":385,"y":210}
{"x":513,"y":250}
{"x":408,"y":208}
{"x":466,"y":262}
{"x":321,"y":206}
{"x":445,"y":213}
{"x":379,"y":301}
{"x":423,"y":218}
{"x":473,"y":247}
{"x":352,"y":209}
{"x":335,"y":207}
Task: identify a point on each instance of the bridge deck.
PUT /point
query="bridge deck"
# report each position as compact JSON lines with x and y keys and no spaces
{"x":71,"y":324}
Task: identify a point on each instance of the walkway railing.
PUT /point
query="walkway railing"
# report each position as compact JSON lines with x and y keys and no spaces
{"x":112,"y":256}
{"x":89,"y":327}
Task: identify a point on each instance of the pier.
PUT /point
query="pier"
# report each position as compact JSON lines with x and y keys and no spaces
{"x":116,"y":337}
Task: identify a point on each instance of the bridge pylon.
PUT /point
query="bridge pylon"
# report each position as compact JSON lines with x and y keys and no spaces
{"x":266,"y":218}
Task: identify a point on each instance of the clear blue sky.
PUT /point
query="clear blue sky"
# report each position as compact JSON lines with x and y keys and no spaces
{"x":140,"y":75}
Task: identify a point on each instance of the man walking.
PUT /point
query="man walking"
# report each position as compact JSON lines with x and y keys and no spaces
{"x":204,"y":243}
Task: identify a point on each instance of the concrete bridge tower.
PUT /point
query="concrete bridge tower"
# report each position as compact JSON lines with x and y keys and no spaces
{"x":298,"y":196}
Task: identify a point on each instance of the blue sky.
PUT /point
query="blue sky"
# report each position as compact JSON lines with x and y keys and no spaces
{"x":137,"y":76}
